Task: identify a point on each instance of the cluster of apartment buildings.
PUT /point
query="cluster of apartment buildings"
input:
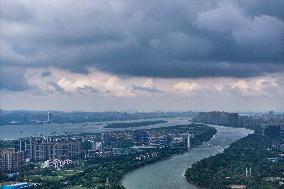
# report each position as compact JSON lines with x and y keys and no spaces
{"x":219,"y":118}
{"x":269,"y":118}
{"x":41,"y":148}
{"x":236,"y":120}
{"x":47,"y":148}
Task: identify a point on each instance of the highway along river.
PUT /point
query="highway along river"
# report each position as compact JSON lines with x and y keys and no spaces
{"x":169,"y":174}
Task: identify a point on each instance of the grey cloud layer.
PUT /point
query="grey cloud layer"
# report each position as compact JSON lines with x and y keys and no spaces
{"x":173,"y":39}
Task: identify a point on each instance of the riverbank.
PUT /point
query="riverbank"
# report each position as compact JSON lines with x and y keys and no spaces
{"x":106,"y":170}
{"x":117,"y":168}
{"x":169,"y":174}
{"x":246,"y":162}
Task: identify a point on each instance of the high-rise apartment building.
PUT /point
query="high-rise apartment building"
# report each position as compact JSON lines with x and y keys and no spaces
{"x":39,"y":149}
{"x":10,"y":160}
{"x":233,"y":119}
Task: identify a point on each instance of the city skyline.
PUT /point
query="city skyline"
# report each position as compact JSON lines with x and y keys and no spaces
{"x":141,"y":56}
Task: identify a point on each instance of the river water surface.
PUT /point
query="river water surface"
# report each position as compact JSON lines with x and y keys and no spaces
{"x":10,"y":132}
{"x":169,"y":174}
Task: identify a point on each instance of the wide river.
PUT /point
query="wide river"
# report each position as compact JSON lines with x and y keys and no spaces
{"x":10,"y":132}
{"x":169,"y":174}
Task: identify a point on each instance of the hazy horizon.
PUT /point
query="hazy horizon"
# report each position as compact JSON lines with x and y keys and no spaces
{"x":139,"y":111}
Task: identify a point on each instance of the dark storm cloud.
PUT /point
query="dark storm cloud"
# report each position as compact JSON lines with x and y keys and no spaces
{"x":188,"y":39}
{"x":15,"y":11}
{"x":197,"y":70}
{"x":13,"y":79}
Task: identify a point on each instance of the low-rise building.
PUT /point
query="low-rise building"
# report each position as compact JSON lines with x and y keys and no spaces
{"x":56,"y":163}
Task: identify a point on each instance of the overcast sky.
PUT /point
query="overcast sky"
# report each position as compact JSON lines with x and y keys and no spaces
{"x":137,"y":55}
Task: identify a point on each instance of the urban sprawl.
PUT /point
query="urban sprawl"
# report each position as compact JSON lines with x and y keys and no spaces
{"x":57,"y":152}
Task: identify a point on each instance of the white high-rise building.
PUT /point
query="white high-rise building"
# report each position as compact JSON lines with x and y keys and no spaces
{"x":49,"y":117}
{"x":188,"y":141}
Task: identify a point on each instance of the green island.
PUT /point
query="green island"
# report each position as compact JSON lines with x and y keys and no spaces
{"x":106,"y":171}
{"x":253,"y":162}
{"x":134,"y":124}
